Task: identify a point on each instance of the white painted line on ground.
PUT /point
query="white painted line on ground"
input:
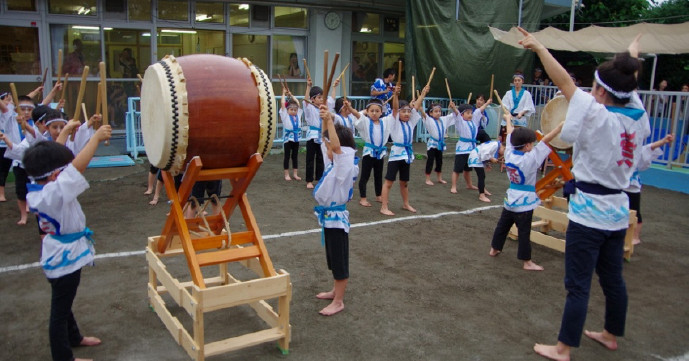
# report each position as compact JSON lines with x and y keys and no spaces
{"x":280,"y":235}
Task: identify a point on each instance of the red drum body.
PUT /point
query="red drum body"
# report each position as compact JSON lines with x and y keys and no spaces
{"x":218,"y":108}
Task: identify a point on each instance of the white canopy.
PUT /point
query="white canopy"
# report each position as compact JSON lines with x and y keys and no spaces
{"x":657,"y":38}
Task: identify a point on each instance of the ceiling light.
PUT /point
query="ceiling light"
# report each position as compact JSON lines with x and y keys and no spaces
{"x":243,"y":6}
{"x":83,"y":27}
{"x":178,"y":31}
{"x":202,"y":17}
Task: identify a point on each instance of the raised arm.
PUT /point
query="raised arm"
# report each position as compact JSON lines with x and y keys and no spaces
{"x":553,"y":133}
{"x":557,"y":73}
{"x":483,"y":107}
{"x":49,"y":98}
{"x":35,"y":92}
{"x":419,"y":100}
{"x":330,"y":126}
{"x":309,"y":84}
{"x":67,"y":130}
{"x":665,"y":140}
{"x":396,"y":101}
{"x":508,"y":122}
{"x":283,"y":100}
{"x":351,"y":109}
{"x":81,"y":161}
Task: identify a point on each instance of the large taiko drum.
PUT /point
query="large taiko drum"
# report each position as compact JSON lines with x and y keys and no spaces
{"x":553,"y":114}
{"x":218,"y":108}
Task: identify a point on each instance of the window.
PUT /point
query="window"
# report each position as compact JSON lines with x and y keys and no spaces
{"x":366,"y":23}
{"x":128,"y":53}
{"x":392,"y":54}
{"x":207,"y":12}
{"x":19,"y":57}
{"x":81,"y":46}
{"x":173,"y":10}
{"x":364,"y":66}
{"x":288,"y":17}
{"x":252,"y":47}
{"x":288,"y":52}
{"x":21,"y":5}
{"x":115,"y":9}
{"x":70,"y":7}
{"x":139,"y":10}
{"x":180,"y":42}
{"x":239,"y":15}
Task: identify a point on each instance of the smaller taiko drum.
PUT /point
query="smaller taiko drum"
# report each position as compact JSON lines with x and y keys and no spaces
{"x":552,"y":115}
{"x":218,"y":108}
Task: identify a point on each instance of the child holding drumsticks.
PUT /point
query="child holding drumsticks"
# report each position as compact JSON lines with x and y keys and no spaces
{"x":312,"y":101}
{"x":290,"y":114}
{"x":57,"y":181}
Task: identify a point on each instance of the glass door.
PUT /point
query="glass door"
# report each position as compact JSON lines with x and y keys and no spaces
{"x":20,"y":57}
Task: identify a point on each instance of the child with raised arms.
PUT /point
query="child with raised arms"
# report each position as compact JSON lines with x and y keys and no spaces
{"x":436,"y":125}
{"x":332,"y":194}
{"x":482,"y":117}
{"x":314,"y":157}
{"x":607,"y":127}
{"x":405,"y":117}
{"x":374,"y":130}
{"x":57,"y":181}
{"x":467,"y":128}
{"x":290,"y":114}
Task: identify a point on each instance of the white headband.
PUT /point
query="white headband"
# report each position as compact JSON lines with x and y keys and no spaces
{"x":54,"y":120}
{"x":619,"y":94}
{"x":33,"y":179}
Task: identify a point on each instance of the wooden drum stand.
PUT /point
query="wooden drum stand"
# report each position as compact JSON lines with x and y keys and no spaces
{"x":207,"y":241}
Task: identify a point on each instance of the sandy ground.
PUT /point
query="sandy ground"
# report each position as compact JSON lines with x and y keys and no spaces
{"x":422,"y":285}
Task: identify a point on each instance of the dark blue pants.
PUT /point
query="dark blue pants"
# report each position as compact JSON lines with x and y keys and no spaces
{"x":314,"y":157}
{"x":523,"y":222}
{"x":588,"y":248}
{"x":63,"y":329}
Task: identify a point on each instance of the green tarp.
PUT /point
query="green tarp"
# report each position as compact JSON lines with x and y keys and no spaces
{"x":464,"y":51}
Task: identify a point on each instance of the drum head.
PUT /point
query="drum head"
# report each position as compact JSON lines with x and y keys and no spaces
{"x":165,"y":115}
{"x":553,"y":114}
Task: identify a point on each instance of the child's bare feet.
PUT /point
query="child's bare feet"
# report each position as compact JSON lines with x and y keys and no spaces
{"x":89,"y":341}
{"x":409,"y":208}
{"x":604,"y":338}
{"x":333,"y":308}
{"x":379,"y":199}
{"x":551,"y":352}
{"x":287,"y":178}
{"x":309,"y":185}
{"x":296,"y":177}
{"x":153,"y":202}
{"x":329,"y":295}
{"x":83,"y":359}
{"x":21,"y":222}
{"x":487,"y":193}
{"x":364,"y":203}
{"x":453,"y":190}
{"x":482,"y":197}
{"x":148,"y":191}
{"x":636,"y":241}
{"x":531,"y":266}
{"x":471,"y":186}
{"x":494,"y":252}
{"x":442,"y":181}
{"x":428,"y":182}
{"x":386,"y":212}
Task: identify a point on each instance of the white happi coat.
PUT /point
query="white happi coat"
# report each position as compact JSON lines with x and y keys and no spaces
{"x":313,"y":120}
{"x":336,"y":188}
{"x":375,"y":136}
{"x":483,"y":153}
{"x":402,"y":134}
{"x":511,"y":99}
{"x":467,"y":130}
{"x":437,"y":130}
{"x":522,"y":170}
{"x":607,"y":146}
{"x":291,"y":126}
{"x":66,"y":246}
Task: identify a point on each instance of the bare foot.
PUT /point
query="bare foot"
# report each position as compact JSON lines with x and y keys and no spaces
{"x":309,"y":185}
{"x":531,"y":266}
{"x":442,"y":181}
{"x":89,"y":341}
{"x":332,"y":308}
{"x":409,"y":208}
{"x":83,"y":359}
{"x":387,"y":212}
{"x":453,"y":190}
{"x":428,"y":182}
{"x":148,"y":191}
{"x":22,"y":222}
{"x":551,"y":352}
{"x":483,"y":198}
{"x":287,"y":178}
{"x":487,"y":193}
{"x":379,"y":199}
{"x":326,"y":295}
{"x":636,"y":241}
{"x":471,"y":186}
{"x":494,"y":252}
{"x":296,"y":177}
{"x":604,"y":338}
{"x":153,"y":202}
{"x":364,"y":203}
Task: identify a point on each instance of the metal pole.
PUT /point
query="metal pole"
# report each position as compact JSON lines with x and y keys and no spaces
{"x":571,"y":16}
{"x":519,"y":21}
{"x":653,"y":72}
{"x":457,"y":11}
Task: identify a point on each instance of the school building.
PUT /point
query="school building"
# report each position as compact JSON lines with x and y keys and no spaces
{"x":129,"y":35}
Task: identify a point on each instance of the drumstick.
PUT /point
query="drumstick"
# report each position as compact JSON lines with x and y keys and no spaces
{"x":325,"y":72}
{"x":59,"y":65}
{"x":413,"y":89}
{"x":399,"y":72}
{"x":104,"y":95}
{"x":469,"y":98}
{"x":45,"y":75}
{"x":15,"y":97}
{"x":80,"y":97}
{"x":141,"y":79}
{"x":64,"y":87}
{"x":418,"y":94}
{"x":449,"y":93}
{"x":332,"y":73}
{"x":344,"y":88}
{"x":500,"y":101}
{"x":492,"y":77}
{"x":306,"y":67}
{"x":343,"y":71}
{"x":98,"y":101}
{"x":83,"y":109}
{"x":430,"y":77}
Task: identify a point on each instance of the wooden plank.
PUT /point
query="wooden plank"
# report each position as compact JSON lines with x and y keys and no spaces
{"x":540,"y":223}
{"x":551,"y":215}
{"x":548,"y":241}
{"x":164,"y":277}
{"x":220,"y":297}
{"x":222,"y":173}
{"x":236,"y":343}
{"x":266,"y":313}
{"x":254,"y":265}
{"x":227,"y":255}
{"x":171,"y":323}
{"x":211,"y":242}
{"x":560,"y":202}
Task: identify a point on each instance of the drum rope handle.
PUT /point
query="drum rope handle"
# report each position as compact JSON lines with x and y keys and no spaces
{"x":227,"y":224}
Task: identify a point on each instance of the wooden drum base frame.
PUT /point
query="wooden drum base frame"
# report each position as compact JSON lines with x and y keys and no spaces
{"x":214,"y":245}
